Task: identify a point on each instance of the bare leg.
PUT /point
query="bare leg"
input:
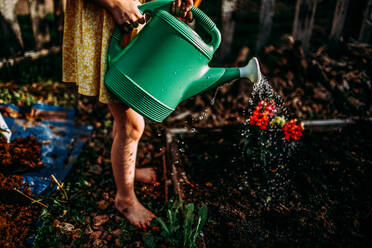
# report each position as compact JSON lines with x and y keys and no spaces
{"x":128,"y":129}
{"x":143,"y":175}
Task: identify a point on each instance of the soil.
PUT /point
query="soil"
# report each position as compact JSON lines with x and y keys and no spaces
{"x":19,"y":156}
{"x":18,"y":215}
{"x":329,"y":203}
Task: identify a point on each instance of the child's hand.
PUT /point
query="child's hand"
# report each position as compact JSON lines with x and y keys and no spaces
{"x":125,"y":13}
{"x":182,"y":8}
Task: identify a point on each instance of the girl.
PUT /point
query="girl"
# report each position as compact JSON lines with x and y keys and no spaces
{"x":87,"y":31}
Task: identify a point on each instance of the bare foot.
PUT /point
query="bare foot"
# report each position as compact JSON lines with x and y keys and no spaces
{"x":135,"y":212}
{"x":146,"y":175}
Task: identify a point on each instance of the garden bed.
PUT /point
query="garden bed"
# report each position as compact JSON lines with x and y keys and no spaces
{"x":328,"y":201}
{"x":18,"y":215}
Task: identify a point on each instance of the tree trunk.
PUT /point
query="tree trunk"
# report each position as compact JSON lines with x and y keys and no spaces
{"x":266,"y":20}
{"x":39,"y":28}
{"x":10,"y":26}
{"x":338,"y":22}
{"x":228,"y":27}
{"x":58,"y":13}
{"x":365,"y":32}
{"x":304,"y":21}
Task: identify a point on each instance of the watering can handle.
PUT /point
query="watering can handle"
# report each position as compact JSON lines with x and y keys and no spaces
{"x":199,"y":15}
{"x":115,"y":47}
{"x":209,"y":26}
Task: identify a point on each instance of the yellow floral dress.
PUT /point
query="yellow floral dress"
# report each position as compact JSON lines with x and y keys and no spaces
{"x":87,"y":32}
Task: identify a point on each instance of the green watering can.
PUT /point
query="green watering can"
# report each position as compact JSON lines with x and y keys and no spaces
{"x":167,"y":62}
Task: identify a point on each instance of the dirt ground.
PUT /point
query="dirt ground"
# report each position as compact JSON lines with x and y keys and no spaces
{"x":329,"y":197}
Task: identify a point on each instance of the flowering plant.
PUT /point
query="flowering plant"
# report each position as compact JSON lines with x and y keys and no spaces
{"x":269,"y":141}
{"x":265,"y":113}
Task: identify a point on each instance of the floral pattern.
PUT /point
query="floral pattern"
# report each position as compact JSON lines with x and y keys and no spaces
{"x":87,"y":32}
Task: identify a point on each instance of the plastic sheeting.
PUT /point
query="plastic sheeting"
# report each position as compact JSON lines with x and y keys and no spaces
{"x":61,"y":140}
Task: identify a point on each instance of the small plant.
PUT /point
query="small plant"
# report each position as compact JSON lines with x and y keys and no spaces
{"x":178,"y":231}
{"x":269,"y":136}
{"x":269,"y":141}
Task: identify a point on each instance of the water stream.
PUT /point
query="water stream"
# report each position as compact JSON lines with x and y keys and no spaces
{"x":269,"y":146}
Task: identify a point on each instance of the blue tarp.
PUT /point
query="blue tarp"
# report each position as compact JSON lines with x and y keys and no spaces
{"x":61,"y":140}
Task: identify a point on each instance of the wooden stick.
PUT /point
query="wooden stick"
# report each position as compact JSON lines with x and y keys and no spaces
{"x":33,"y":55}
{"x":172,"y":154}
{"x":165,"y":179}
{"x":60,"y":186}
{"x":30,"y":198}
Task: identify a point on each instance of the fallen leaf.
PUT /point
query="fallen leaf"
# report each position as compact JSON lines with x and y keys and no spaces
{"x":95,"y":235}
{"x":116,"y":232}
{"x":102,"y":204}
{"x":100,"y":220}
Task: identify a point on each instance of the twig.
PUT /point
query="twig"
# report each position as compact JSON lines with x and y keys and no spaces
{"x":165,"y":179}
{"x":60,"y":186}
{"x":30,"y":198}
{"x":33,"y":55}
{"x":171,"y":149}
{"x":184,"y":177}
{"x":284,"y":207}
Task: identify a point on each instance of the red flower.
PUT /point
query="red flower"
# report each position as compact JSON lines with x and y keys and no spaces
{"x":260,"y":116}
{"x":292,"y":130}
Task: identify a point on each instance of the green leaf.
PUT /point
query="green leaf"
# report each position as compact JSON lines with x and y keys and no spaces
{"x":163,"y":225}
{"x":203,"y":214}
{"x":188,"y":224}
{"x":196,"y":233}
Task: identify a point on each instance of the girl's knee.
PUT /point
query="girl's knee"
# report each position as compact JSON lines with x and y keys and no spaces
{"x":131,"y":128}
{"x":127,"y":122}
{"x":135,"y":128}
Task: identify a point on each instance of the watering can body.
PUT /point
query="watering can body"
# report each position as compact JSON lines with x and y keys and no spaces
{"x":166,"y":63}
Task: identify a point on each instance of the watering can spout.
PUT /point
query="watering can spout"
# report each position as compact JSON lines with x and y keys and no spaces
{"x":251,"y":71}
{"x":214,"y":77}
